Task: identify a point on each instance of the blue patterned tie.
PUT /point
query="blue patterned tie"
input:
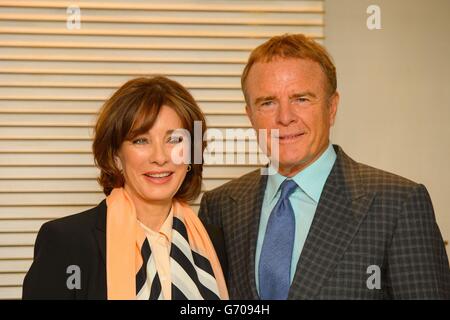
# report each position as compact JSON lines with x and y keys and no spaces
{"x":276,"y":252}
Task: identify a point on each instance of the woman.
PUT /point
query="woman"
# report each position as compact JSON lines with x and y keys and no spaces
{"x":143,"y":241}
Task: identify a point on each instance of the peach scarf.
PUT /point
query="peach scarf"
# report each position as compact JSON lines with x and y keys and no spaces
{"x":125,"y":238}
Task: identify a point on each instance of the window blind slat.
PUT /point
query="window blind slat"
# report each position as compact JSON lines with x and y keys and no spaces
{"x":53,"y":80}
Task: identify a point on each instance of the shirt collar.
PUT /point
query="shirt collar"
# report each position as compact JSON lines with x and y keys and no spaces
{"x":311,"y":179}
{"x":166,"y":227}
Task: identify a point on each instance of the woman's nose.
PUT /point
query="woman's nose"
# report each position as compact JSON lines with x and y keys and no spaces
{"x":158,"y":154}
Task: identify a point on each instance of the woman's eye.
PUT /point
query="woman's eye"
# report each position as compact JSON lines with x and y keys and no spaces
{"x":140,"y":141}
{"x":175,"y":139}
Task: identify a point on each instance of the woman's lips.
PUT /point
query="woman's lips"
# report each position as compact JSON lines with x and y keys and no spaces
{"x":158,"y":177}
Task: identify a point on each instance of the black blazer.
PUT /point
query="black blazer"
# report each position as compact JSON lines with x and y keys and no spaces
{"x":79,"y":240}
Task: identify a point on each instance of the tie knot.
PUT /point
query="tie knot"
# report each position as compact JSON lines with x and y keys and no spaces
{"x":287,"y":188}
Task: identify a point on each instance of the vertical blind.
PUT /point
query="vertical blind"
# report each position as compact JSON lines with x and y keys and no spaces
{"x":54,"y":78}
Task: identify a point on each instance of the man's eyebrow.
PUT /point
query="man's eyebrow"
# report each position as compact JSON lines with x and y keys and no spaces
{"x":303,"y":94}
{"x":266,"y":98}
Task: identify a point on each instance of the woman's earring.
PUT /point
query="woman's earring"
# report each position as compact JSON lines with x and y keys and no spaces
{"x":189,"y":168}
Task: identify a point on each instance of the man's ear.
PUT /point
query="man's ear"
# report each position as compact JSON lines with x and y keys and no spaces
{"x":333,"y":107}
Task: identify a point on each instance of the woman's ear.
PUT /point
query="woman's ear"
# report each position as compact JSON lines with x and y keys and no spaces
{"x":118,"y":162}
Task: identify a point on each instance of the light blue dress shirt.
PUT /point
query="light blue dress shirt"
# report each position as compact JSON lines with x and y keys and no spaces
{"x":304,"y":200}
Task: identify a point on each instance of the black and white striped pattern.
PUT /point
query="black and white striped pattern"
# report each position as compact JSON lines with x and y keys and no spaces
{"x":191,"y":273}
{"x":146,"y":290}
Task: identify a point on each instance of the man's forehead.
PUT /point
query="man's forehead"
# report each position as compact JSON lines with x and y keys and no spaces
{"x":277,"y":61}
{"x":286,"y":73}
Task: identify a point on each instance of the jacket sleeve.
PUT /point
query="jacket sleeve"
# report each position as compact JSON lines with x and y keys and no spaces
{"x":215,"y":232}
{"x":417,"y":264}
{"x":47,"y":276}
{"x":203,"y":211}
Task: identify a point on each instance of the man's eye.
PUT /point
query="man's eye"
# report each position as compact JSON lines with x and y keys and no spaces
{"x":175,"y":139}
{"x":140,"y":141}
{"x":266,"y":103}
{"x":302,"y":99}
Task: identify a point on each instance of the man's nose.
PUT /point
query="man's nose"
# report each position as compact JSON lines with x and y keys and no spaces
{"x":285,"y":114}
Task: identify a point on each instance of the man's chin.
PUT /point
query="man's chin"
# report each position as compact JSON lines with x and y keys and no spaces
{"x":289,"y":168}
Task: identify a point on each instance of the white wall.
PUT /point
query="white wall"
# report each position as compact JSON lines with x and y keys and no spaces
{"x":395,"y":90}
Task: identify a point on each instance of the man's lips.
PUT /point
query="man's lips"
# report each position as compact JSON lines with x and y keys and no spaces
{"x":285,"y":138}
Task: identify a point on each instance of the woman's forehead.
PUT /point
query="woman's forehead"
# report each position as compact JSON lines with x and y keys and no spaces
{"x":167,"y":119}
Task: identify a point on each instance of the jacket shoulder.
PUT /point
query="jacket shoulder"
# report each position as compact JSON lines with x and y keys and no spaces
{"x":236,"y":185}
{"x":358,"y":178}
{"x":383,"y":181}
{"x":61,"y":243}
{"x":75,"y":224}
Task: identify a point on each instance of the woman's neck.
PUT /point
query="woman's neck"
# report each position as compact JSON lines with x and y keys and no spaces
{"x":151,"y":214}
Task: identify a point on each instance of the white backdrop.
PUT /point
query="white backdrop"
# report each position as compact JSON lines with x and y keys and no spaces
{"x":395,"y":90}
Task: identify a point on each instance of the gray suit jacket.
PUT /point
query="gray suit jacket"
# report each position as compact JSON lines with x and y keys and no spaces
{"x":365,"y":217}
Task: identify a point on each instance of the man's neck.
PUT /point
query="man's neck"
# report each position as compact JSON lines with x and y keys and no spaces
{"x":291,"y":171}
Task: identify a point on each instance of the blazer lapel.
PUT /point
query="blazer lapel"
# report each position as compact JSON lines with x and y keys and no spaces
{"x":341,"y":209}
{"x":248,"y":203}
{"x":100,"y":230}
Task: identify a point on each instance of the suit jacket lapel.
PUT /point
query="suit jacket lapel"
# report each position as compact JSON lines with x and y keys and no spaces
{"x":248,"y":202}
{"x":341,"y":209}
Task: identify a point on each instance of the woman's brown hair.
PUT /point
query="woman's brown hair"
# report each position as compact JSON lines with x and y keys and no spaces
{"x":131,"y":111}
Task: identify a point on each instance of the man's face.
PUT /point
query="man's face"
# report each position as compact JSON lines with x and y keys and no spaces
{"x":291,"y":95}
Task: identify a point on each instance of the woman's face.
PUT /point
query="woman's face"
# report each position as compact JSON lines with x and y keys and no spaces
{"x":151,"y":162}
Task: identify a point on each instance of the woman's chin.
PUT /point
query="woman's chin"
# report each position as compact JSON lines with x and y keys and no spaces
{"x":158,"y":197}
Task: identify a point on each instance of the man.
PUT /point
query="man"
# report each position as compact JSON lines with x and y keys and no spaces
{"x":324,"y":226}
